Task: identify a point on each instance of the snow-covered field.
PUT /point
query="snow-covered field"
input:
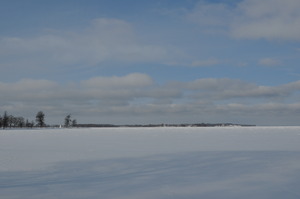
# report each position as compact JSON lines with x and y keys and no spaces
{"x":151,"y":163}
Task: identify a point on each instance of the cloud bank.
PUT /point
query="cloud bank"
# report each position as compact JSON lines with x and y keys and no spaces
{"x":138,"y":98}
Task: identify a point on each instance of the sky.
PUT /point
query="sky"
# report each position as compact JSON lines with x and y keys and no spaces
{"x":158,"y":61}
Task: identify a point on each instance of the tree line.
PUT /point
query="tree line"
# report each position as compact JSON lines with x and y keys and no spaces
{"x":10,"y":121}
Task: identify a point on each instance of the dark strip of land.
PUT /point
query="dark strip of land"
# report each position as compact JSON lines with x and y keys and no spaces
{"x":163,"y":125}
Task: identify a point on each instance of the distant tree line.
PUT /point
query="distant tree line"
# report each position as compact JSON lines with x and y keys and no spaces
{"x":10,"y":121}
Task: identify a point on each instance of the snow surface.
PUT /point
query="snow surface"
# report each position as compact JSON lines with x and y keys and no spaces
{"x":142,"y":163}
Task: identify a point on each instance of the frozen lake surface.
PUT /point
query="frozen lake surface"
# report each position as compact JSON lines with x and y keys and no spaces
{"x":144,"y":163}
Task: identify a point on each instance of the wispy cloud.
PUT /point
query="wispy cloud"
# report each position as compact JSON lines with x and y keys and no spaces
{"x":208,"y":62}
{"x":105,"y":40}
{"x":195,"y":63}
{"x":211,"y":15}
{"x":269,"y":62}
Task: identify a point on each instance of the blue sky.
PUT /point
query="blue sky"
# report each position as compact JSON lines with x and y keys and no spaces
{"x":160,"y":61}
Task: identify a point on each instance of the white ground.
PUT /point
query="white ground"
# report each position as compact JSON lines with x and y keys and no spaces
{"x":156,"y":163}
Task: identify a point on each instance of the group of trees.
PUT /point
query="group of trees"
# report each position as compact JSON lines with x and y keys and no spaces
{"x":10,"y":121}
{"x":14,"y":122}
{"x":70,"y":122}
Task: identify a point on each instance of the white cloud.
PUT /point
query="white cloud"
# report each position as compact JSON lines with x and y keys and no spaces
{"x":223,"y":84}
{"x":269,"y":62}
{"x":27,"y":90}
{"x":28,"y":85}
{"x":229,"y":89}
{"x":269,"y":19}
{"x":105,"y":40}
{"x":251,"y":19}
{"x":134,"y":80}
